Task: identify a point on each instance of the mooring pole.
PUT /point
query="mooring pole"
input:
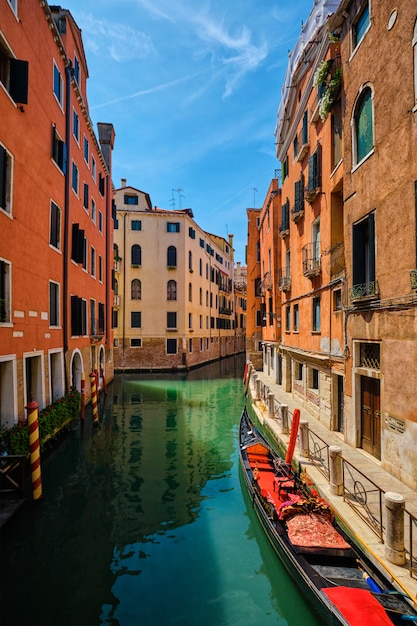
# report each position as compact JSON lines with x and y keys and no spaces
{"x":35,"y":449}
{"x":93,"y":381}
{"x":82,"y":414}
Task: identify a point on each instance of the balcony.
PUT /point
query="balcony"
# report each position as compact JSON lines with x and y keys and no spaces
{"x":301,"y":145}
{"x":116,"y":301}
{"x":96,"y":329}
{"x":116,"y":264}
{"x":311,"y":194}
{"x":297,"y":213}
{"x":311,"y":260}
{"x":364,"y":291}
{"x":225,"y":310}
{"x":284,"y":279}
{"x":284,"y":230}
{"x":413,"y":279}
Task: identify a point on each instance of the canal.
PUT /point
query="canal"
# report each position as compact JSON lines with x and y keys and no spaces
{"x":144,"y":519}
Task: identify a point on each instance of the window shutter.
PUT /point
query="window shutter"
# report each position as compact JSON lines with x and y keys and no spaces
{"x":86,"y":195}
{"x":3,"y":177}
{"x":74,"y":243}
{"x":371,"y":241}
{"x":357,"y":253}
{"x":19,"y":71}
{"x":81,"y":247}
{"x":311,"y":172}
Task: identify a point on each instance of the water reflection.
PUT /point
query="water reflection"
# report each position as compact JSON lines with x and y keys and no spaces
{"x":143,"y":520}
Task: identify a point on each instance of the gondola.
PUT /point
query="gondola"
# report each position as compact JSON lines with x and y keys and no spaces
{"x":329,"y":566}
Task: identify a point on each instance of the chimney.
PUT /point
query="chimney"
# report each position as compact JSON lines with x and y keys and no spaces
{"x":123,"y":182}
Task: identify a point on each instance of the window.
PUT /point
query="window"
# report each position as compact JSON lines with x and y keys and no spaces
{"x":93,"y":321}
{"x":190,"y":345}
{"x":173,"y":227}
{"x":55,"y":226}
{"x":337,"y":300}
{"x":86,"y":150}
{"x":101,"y":180}
{"x":76,"y":70}
{"x":85,"y":197}
{"x":100,"y":221}
{"x":190,"y":292}
{"x":298,"y":373}
{"x":190,"y":320}
{"x":78,"y":244}
{"x":13,"y":74}
{"x":136,"y":225}
{"x":93,"y":262}
{"x":171,"y":319}
{"x":190,"y":260}
{"x":201,"y":267}
{"x":171,"y":290}
{"x":316,"y":314}
{"x":101,"y":318}
{"x":78,"y":316}
{"x":6,"y":180}
{"x":363,"y":138}
{"x":171,"y":346}
{"x":136,"y":255}
{"x":59,"y":150}
{"x":136,"y":342}
{"x":75,"y":178}
{"x":202,"y":243}
{"x":93,"y":168}
{"x":115,"y":318}
{"x":295,"y":323}
{"x":299,"y":195}
{"x":13,"y":6}
{"x":84,"y":262}
{"x":93,"y":210}
{"x":337,"y":127}
{"x":313,"y":378}
{"x":76,"y":126}
{"x":191,"y":232}
{"x":5,"y":300}
{"x":172,"y":256}
{"x":136,"y":289}
{"x":284,"y":168}
{"x":136,"y":319}
{"x":285,"y":217}
{"x":363,"y":258}
{"x":58,"y":86}
{"x":360,"y":26}
{"x":100,"y":268}
{"x":314,"y":170}
{"x":131,"y":199}
{"x":287,"y":318}
{"x":414,"y":43}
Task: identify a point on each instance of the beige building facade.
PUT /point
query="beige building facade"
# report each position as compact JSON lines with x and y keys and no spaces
{"x":174,"y":303}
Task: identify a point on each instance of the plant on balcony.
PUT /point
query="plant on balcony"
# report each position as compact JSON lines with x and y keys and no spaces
{"x":320,"y":76}
{"x":52,"y":420}
{"x":329,"y":96}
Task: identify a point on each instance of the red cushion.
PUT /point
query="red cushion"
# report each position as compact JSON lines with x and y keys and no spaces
{"x":358,"y":606}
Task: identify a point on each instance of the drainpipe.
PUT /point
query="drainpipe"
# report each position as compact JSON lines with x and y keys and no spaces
{"x":68,"y":78}
{"x":124,"y":287}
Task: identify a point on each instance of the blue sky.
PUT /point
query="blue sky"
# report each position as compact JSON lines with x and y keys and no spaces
{"x":192,"y":88}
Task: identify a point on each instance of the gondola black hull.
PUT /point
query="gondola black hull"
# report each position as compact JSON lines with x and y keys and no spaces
{"x":316,"y":569}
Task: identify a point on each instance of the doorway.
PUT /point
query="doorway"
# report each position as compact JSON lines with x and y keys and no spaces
{"x":371,"y":416}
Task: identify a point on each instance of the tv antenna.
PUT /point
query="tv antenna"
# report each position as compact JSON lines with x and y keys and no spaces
{"x":180,"y":195}
{"x":254,"y":192}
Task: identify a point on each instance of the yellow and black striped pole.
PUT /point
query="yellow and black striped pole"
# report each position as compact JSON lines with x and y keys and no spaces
{"x":35,"y":449}
{"x":93,"y":381}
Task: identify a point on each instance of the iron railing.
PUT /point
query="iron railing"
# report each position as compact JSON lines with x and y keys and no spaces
{"x":364,"y":496}
{"x":318,"y":451}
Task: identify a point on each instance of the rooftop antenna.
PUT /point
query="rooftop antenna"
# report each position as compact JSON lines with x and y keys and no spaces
{"x":172,"y":201}
{"x":254,"y":192}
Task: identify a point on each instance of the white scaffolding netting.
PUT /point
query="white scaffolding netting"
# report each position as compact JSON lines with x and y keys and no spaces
{"x":320,"y":12}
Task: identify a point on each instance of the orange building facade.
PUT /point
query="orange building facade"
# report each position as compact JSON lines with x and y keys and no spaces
{"x":55,"y":213}
{"x":254,"y":312}
{"x":346,"y":137}
{"x":309,"y":146}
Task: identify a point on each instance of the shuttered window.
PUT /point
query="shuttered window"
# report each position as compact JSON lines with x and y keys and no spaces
{"x":364,"y":132}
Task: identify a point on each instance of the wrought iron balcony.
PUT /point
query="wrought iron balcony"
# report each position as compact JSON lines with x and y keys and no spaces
{"x":311,"y":260}
{"x":413,"y":279}
{"x":364,"y":291}
{"x":284,"y":279}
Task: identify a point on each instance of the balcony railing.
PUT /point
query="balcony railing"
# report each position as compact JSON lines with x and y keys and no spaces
{"x":364,"y":291}
{"x":284,"y":279}
{"x":311,"y":260}
{"x":413,"y":279}
{"x":116,"y":301}
{"x":302,"y":145}
{"x":96,"y":327}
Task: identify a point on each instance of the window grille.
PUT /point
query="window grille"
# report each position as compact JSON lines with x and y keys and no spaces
{"x":370,"y":355}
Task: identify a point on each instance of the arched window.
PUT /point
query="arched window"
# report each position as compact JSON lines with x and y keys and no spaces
{"x":172,"y":256}
{"x":363,"y":125}
{"x":190,"y":292}
{"x":136,"y":289}
{"x":171,"y":290}
{"x":415,"y":61}
{"x":136,"y":255}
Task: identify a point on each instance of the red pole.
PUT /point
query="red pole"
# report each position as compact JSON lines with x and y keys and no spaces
{"x":82,"y":414}
{"x":34,"y":447}
{"x":93,"y":381}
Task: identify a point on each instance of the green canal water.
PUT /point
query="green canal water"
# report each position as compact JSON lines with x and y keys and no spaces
{"x":144,"y":520}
